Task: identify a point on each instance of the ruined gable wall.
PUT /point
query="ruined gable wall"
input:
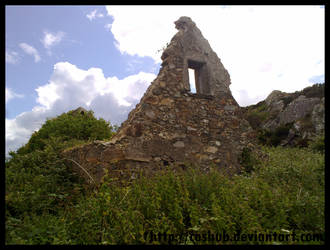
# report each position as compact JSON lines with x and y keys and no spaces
{"x":170,"y":125}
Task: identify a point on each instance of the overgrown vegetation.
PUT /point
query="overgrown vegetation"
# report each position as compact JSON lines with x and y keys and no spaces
{"x":67,"y":128}
{"x":248,"y":160}
{"x":46,"y":204}
{"x":274,"y":138}
{"x":257,"y":114}
{"x":318,"y":145}
{"x":38,"y":184}
{"x":317,"y":90}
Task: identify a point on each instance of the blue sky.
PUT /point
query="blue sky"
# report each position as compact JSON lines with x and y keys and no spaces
{"x":104,"y":57}
{"x":84,"y":43}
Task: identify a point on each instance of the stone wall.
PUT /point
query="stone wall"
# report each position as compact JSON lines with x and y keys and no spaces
{"x":171,"y":125}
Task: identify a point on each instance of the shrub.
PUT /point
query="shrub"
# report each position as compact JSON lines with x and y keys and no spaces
{"x":38,"y":183}
{"x":317,"y":90}
{"x":69,"y":126}
{"x":248,"y":160}
{"x":274,"y":138}
{"x":257,"y":114}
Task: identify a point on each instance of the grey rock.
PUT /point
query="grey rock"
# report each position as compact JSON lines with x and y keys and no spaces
{"x":274,"y":96}
{"x":297,"y":109}
{"x":318,"y":117}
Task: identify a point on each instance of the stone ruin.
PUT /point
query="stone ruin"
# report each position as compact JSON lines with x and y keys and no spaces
{"x":171,"y":125}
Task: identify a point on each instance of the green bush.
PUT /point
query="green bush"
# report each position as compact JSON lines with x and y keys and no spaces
{"x":248,"y":161}
{"x":67,"y":127}
{"x":274,"y":138}
{"x":257,"y":114}
{"x":38,"y":183}
{"x":317,"y":90}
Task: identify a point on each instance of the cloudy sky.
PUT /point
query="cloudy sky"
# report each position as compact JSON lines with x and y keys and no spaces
{"x":104,"y":57}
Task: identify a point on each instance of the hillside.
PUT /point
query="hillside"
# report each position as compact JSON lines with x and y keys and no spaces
{"x":292,"y":119}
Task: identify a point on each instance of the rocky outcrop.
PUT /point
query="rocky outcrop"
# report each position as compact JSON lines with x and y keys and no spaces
{"x":295,"y":110}
{"x":171,"y":125}
{"x":318,"y":117}
{"x":301,"y":112}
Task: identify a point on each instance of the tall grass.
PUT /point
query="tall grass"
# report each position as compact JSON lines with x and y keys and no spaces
{"x":284,"y":194}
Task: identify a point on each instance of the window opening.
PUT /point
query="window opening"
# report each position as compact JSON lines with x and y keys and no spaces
{"x":192,"y":81}
{"x":198,"y":77}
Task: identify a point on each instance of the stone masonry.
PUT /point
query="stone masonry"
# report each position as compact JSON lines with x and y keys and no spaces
{"x":171,"y":125}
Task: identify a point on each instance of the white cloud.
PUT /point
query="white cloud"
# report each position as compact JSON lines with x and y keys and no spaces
{"x":256,"y":44}
{"x":108,"y":26}
{"x":141,"y":31}
{"x":11,"y":95}
{"x":70,"y":87}
{"x":92,"y":15}
{"x":12,"y":57}
{"x":30,"y":50}
{"x":16,"y":135}
{"x":51,"y":39}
